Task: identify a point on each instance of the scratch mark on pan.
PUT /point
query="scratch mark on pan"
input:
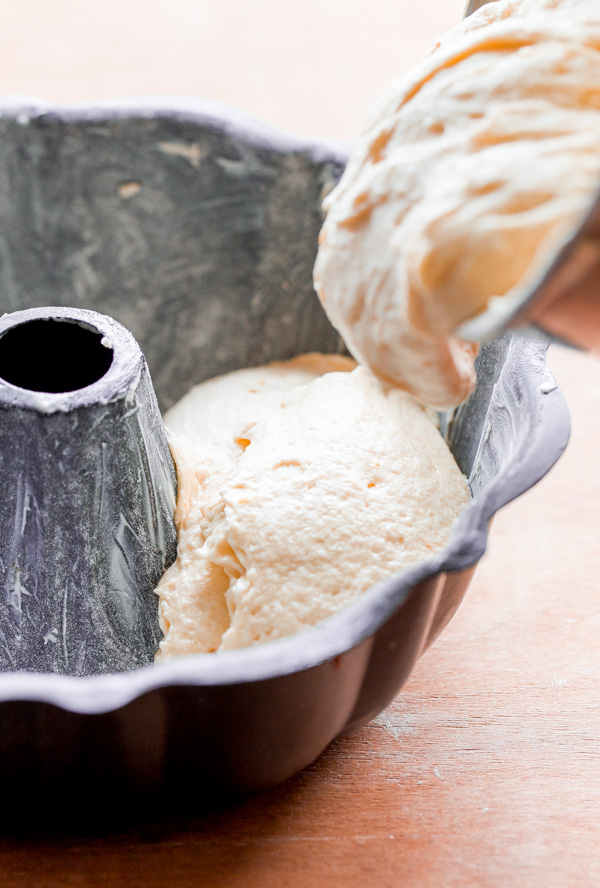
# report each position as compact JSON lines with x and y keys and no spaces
{"x":14,"y":595}
{"x":119,"y":536}
{"x":102,"y":476}
{"x":129,"y":189}
{"x":6,"y":647}
{"x":192,"y":153}
{"x":26,"y":509}
{"x":235,"y":167}
{"x":97,"y":422}
{"x":130,"y":412}
{"x":64,"y":623}
{"x":50,"y":637}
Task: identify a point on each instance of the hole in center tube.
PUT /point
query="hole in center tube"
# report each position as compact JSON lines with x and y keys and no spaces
{"x":53,"y":355}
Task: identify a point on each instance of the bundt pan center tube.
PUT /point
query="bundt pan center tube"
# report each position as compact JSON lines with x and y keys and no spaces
{"x":88,"y":493}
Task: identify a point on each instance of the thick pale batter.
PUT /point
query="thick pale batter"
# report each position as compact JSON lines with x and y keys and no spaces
{"x":300,"y":485}
{"x":470,"y":172}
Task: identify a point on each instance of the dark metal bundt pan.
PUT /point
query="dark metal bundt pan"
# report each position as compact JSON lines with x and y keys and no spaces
{"x":196,"y":228}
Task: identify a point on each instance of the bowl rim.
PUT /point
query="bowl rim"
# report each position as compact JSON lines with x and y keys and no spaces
{"x":357,"y":622}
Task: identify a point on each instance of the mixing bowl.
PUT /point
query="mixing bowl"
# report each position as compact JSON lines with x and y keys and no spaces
{"x":196,"y":228}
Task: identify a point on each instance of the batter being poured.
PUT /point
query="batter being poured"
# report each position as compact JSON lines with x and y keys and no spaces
{"x":470,"y":174}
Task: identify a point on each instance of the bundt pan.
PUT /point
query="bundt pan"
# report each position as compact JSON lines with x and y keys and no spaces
{"x":196,"y":228}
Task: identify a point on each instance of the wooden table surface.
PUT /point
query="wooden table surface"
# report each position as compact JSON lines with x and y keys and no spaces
{"x":485,"y":771}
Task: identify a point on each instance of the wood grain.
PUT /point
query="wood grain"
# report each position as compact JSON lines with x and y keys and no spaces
{"x":483,"y":772}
